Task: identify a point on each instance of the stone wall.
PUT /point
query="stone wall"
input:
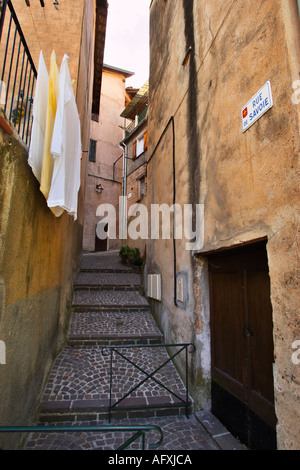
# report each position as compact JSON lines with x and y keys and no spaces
{"x":39,"y":258}
{"x":207,"y":59}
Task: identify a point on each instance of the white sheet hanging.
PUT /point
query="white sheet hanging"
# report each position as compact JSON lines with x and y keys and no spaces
{"x":65,"y":148}
{"x":36,"y":148}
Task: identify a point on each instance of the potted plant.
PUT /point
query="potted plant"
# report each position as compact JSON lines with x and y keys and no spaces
{"x":131,"y":255}
{"x":123,"y":253}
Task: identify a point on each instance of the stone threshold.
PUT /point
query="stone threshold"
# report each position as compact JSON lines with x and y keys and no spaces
{"x":79,"y":410}
{"x":107,"y":287}
{"x":109,"y":308}
{"x":107,"y":340}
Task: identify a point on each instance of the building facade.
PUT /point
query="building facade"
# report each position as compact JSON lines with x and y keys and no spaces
{"x":105,"y":165}
{"x":234,"y":293}
{"x":40,"y":253}
{"x":135,"y":145}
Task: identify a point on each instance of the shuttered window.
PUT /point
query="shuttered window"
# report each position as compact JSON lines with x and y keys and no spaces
{"x":145,"y":140}
{"x":140,"y":145}
{"x":92,"y":153}
{"x":134,"y":149}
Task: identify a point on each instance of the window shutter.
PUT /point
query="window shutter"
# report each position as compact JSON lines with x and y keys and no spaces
{"x":92,"y":152}
{"x":134,"y":149}
{"x":145,"y":140}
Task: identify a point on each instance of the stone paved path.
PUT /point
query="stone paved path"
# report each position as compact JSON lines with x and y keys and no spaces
{"x":109,"y":309}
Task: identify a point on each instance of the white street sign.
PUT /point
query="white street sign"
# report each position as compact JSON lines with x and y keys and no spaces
{"x":259,"y":104}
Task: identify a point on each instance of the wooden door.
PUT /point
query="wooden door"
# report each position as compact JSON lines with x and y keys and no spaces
{"x":101,"y":244}
{"x":242,"y":344}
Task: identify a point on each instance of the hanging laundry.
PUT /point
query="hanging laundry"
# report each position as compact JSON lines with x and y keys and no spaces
{"x":36,"y":148}
{"x":65,"y":148}
{"x":53,"y":94}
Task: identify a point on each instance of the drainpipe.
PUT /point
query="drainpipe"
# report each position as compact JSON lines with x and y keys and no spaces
{"x":124,"y":186}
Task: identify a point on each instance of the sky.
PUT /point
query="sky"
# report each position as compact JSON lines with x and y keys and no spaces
{"x":127,"y":38}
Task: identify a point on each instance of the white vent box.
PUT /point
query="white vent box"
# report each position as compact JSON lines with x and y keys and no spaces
{"x":154,"y":286}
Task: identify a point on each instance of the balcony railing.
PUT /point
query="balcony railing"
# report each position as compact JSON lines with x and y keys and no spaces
{"x":133,"y":124}
{"x":18,"y":74}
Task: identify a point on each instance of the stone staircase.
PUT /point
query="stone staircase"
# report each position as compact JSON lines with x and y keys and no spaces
{"x":109,"y":308}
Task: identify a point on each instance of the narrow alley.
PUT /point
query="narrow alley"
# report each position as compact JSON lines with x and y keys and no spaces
{"x":109,"y":309}
{"x":149,"y":228}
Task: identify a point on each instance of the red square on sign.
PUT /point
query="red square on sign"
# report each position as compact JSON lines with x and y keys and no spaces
{"x":245,"y":112}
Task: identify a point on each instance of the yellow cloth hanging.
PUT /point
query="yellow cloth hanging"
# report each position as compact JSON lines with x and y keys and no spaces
{"x":53,"y":94}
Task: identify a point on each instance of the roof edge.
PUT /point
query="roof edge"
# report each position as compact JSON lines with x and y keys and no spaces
{"x":127,"y":73}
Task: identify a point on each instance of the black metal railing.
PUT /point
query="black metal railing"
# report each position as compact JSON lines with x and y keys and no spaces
{"x":110,"y":350}
{"x":130,"y":128}
{"x":18,"y":73}
{"x":139,"y":431}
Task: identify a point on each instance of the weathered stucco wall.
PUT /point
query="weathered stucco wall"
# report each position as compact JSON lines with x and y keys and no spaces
{"x":246,"y":181}
{"x":48,"y":29}
{"x":39,"y":258}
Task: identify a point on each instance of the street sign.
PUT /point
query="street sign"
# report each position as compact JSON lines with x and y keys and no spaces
{"x":259,"y":104}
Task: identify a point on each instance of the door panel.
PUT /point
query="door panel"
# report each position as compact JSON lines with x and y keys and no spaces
{"x":228,"y":345}
{"x":261,"y":393}
{"x":241,"y":331}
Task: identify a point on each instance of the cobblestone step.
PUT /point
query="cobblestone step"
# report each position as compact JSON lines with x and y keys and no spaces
{"x":85,"y":300}
{"x":79,"y":385}
{"x":78,"y":389}
{"x":109,"y":310}
{"x":179,"y":433}
{"x":106,"y":328}
{"x":106,"y":262}
{"x":110,"y":281}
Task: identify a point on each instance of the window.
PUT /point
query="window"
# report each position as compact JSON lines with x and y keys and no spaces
{"x":140,"y":145}
{"x":95,"y":117}
{"x":142,"y":188}
{"x":92,"y":153}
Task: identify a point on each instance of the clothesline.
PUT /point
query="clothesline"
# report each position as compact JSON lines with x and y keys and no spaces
{"x":55,"y":147}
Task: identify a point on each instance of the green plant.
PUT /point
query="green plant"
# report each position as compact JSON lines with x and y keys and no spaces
{"x":125,"y":252}
{"x":18,"y":113}
{"x":132,"y":255}
{"x":137,"y":260}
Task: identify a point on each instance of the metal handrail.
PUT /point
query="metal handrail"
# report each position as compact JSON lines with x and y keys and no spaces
{"x":138,"y":430}
{"x":115,"y":348}
{"x":18,"y":74}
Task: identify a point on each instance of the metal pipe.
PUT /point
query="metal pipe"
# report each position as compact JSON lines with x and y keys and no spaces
{"x":123,"y":146}
{"x":115,"y":165}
